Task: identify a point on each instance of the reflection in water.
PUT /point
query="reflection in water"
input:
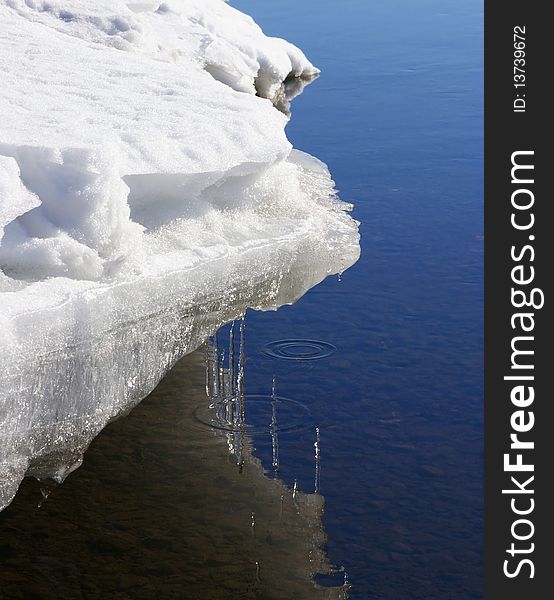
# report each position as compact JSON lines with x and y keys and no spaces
{"x":231,"y":413}
{"x":160,"y":509}
{"x":274,"y":430}
{"x":317,"y":461}
{"x":232,"y":410}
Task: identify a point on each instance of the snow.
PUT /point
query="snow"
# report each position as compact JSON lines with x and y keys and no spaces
{"x":148,"y":194}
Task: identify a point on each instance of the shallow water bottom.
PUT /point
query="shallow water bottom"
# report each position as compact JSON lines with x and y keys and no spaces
{"x":161,"y":508}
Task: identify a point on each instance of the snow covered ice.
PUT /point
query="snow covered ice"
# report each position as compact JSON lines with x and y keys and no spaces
{"x":148,"y":194}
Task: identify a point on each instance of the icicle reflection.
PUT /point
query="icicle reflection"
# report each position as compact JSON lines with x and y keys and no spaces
{"x":243,"y":418}
{"x":238,"y":414}
{"x":192,"y":511}
{"x":274,"y":432}
{"x":225,"y":386}
{"x":317,"y":445}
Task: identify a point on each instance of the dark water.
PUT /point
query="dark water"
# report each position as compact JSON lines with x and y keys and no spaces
{"x":160,"y":508}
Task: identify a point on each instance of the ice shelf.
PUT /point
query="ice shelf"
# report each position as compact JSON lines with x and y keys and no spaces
{"x":148,"y":194}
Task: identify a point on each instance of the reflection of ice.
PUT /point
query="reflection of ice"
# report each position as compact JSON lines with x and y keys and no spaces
{"x":241,"y":415}
{"x":230,"y":407}
{"x":225,"y":387}
{"x":157,"y":511}
{"x":230,"y":416}
{"x":274,"y":431}
{"x":228,"y":402}
{"x":317,"y":445}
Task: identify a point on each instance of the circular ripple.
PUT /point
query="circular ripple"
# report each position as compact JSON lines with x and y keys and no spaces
{"x":299,"y":349}
{"x":259,"y":412}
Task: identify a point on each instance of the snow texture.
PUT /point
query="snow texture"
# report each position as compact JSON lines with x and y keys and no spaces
{"x":148,"y":194}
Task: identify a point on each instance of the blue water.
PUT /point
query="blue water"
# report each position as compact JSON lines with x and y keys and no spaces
{"x":397,"y":116}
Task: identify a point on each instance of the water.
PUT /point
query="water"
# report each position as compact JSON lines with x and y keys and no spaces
{"x":397,"y":115}
{"x":162,"y":508}
{"x":383,"y":466}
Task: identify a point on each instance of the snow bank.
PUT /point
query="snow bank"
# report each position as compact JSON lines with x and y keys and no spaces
{"x":148,"y":194}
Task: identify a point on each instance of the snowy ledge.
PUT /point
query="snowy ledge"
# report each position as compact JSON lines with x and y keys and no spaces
{"x":148,"y":194}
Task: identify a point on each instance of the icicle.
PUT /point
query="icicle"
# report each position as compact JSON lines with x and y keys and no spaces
{"x":274,"y":430}
{"x":317,"y":460}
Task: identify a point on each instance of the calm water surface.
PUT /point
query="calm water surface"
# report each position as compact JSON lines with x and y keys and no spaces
{"x":160,"y":507}
{"x":397,"y":115}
